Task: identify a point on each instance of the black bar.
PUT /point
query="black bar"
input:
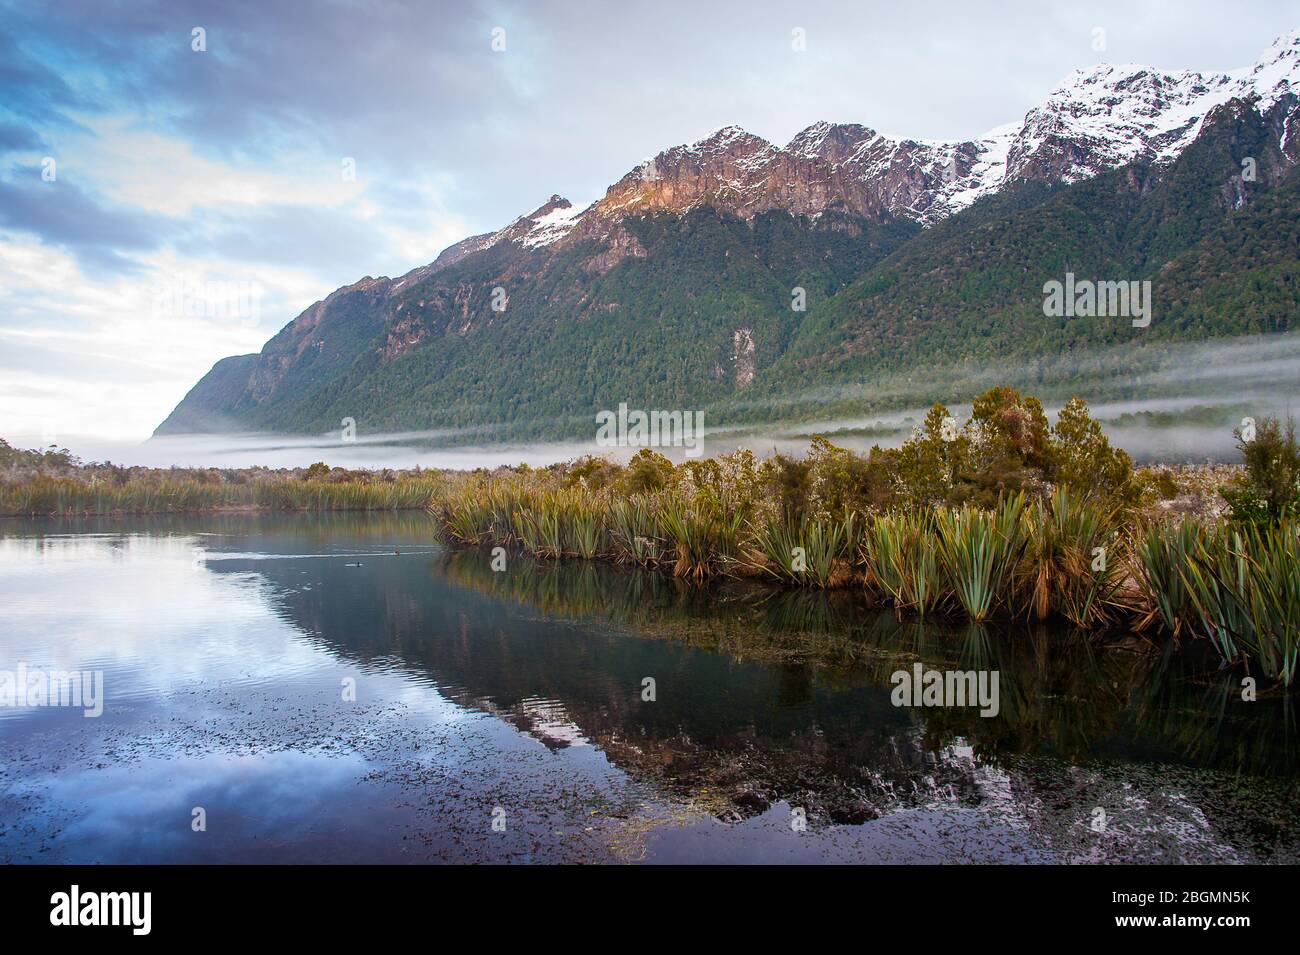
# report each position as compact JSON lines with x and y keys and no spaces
{"x":213,"y":904}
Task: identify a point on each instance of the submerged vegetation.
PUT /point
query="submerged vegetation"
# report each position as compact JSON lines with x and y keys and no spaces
{"x":1006,"y":516}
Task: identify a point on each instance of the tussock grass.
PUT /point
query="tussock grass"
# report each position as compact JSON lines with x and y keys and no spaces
{"x":45,"y":496}
{"x":1244,"y":585}
{"x":1163,"y":552}
{"x":1074,"y":563}
{"x":803,"y":551}
{"x":634,"y":531}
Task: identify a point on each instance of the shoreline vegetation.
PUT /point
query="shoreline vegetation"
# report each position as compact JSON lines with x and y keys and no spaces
{"x":1005,"y":516}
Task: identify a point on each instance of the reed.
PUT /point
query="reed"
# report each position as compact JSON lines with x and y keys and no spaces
{"x":500,"y":502}
{"x":548,"y":528}
{"x":584,"y":525}
{"x":526,"y":530}
{"x":803,"y":551}
{"x":1065,"y":557}
{"x":634,"y":531}
{"x":160,"y":492}
{"x":1272,"y":601}
{"x":702,"y":537}
{"x":1163,"y":553}
{"x":465,"y":520}
{"x":775,"y":542}
{"x":43,"y":496}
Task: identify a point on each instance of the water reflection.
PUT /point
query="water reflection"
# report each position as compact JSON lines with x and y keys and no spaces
{"x":766,"y":695}
{"x":1062,"y":690}
{"x":764,"y":701}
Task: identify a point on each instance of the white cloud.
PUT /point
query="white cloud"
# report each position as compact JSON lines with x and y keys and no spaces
{"x":95,"y":358}
{"x":164,"y":174}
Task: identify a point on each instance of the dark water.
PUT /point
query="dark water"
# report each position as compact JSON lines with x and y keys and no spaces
{"x":225,"y":644}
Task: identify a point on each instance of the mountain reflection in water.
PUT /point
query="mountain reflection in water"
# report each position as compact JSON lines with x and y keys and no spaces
{"x":764,"y":700}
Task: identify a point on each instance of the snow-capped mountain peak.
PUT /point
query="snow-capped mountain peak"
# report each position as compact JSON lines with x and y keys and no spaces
{"x":1277,"y":73}
{"x":1097,"y":118}
{"x":1119,"y":113}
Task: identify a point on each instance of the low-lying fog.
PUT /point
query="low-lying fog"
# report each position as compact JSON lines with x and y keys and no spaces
{"x":1196,"y":394}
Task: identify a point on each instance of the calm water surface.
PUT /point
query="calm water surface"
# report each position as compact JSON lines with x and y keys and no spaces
{"x":228,"y":643}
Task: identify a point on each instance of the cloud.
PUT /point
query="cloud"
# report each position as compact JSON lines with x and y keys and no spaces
{"x":16,"y":137}
{"x":63,"y":213}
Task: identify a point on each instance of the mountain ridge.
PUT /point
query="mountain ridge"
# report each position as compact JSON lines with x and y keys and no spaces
{"x":842,"y":185}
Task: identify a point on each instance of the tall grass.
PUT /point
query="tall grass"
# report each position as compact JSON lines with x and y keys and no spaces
{"x":1237,"y":586}
{"x":1244,"y":584}
{"x":584,"y":526}
{"x":634,"y":531}
{"x":1163,"y":552}
{"x":293,"y":495}
{"x":1272,"y":600}
{"x":466,"y":520}
{"x":1063,"y":557}
{"x":703,"y":537}
{"x":551,"y":523}
{"x":43,"y":495}
{"x":541,"y":520}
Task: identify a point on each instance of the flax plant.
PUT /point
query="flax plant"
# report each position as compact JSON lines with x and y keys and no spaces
{"x":979,"y":551}
{"x":899,"y":553}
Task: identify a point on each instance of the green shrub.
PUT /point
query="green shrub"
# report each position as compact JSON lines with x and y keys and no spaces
{"x":1269,"y":490}
{"x":647,"y":472}
{"x":804,"y":551}
{"x":979,"y":550}
{"x":1244,"y":583}
{"x":900,"y":555}
{"x":1082,"y":460}
{"x":1073,"y":565}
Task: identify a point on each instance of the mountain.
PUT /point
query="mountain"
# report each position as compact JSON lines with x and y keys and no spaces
{"x":675,"y":289}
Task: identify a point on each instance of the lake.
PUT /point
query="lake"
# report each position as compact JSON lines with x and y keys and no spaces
{"x":343,"y":688}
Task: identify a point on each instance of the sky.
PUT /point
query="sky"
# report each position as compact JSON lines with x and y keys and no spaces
{"x":178,"y":180}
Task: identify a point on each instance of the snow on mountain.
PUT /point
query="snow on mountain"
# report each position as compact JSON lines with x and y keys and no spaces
{"x":552,"y":225}
{"x":1277,"y":73}
{"x":541,"y":227}
{"x":1121,"y":113}
{"x":1097,"y":119}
